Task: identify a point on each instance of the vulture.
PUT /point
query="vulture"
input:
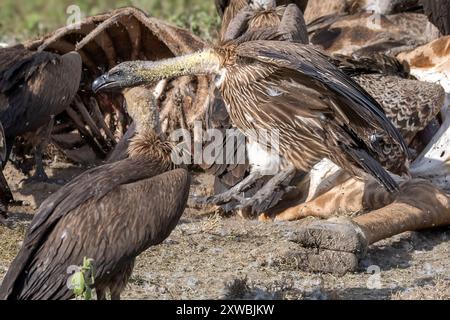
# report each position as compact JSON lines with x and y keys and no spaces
{"x":109,"y":214}
{"x":365,"y":32}
{"x":34,"y":87}
{"x":410,"y":105}
{"x":266,"y":14}
{"x":320,"y":8}
{"x":318,"y":111}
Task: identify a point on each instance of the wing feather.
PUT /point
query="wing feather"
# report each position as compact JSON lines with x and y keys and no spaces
{"x":313,"y":69}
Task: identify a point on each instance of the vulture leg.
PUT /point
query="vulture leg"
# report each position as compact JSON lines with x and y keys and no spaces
{"x":267,"y":197}
{"x":3,"y":214}
{"x":115,"y":296}
{"x":101,"y":294}
{"x":39,"y":150}
{"x":232,"y":193}
{"x":43,"y":139}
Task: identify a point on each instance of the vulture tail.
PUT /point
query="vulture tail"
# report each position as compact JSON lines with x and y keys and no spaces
{"x":374,"y":168}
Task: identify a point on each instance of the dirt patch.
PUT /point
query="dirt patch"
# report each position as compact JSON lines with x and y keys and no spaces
{"x":209,"y":256}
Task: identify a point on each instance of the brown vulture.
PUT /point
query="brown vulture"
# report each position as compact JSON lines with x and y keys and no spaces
{"x":34,"y":87}
{"x":109,"y":214}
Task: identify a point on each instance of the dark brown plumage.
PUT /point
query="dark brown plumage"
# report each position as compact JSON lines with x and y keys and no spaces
{"x":367,"y":33}
{"x":110,"y":214}
{"x":438,"y":11}
{"x":33,"y":87}
{"x":286,"y":21}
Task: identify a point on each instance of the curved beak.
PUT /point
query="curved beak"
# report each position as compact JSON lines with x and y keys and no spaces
{"x":105,"y":82}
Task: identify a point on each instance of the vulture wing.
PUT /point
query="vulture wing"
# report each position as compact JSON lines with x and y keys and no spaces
{"x":356,"y":108}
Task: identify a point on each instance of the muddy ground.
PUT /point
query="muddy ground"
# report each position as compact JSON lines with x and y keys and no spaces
{"x":210,"y":256}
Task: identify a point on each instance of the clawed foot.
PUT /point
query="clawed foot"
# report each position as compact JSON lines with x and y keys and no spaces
{"x":264,"y":199}
{"x":218,"y":199}
{"x":42,"y":178}
{"x":4,"y":218}
{"x":232,"y":194}
{"x":269,"y":195}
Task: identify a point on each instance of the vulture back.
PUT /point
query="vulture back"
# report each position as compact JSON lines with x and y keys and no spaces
{"x":34,"y":86}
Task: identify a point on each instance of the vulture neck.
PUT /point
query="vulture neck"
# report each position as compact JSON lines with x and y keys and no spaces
{"x":148,"y":145}
{"x":202,"y":62}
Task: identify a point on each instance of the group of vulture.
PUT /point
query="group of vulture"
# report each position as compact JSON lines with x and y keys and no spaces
{"x":325,"y":74}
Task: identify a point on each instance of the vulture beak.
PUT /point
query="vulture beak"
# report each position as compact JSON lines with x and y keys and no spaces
{"x":106,"y":82}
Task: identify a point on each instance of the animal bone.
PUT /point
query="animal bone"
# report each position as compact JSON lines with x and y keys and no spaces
{"x":434,"y":162}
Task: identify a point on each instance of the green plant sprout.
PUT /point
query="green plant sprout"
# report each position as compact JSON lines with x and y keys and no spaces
{"x":83,"y":280}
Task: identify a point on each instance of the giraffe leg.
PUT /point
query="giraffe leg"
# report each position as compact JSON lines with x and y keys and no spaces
{"x":345,"y":197}
{"x":419,"y":205}
{"x":339,"y":243}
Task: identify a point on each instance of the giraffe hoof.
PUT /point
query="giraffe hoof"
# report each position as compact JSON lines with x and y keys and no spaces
{"x":331,"y":246}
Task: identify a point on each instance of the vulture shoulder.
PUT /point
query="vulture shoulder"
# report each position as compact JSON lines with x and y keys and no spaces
{"x":108,"y":213}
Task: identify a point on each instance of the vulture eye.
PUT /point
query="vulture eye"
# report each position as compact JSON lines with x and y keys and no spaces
{"x":117,"y":73}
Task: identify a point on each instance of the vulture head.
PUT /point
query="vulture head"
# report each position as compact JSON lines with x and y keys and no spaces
{"x":136,"y":73}
{"x":263,"y":4}
{"x":122,"y":76}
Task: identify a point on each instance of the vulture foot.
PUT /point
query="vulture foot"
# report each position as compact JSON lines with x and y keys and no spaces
{"x":40,"y":177}
{"x":270,"y":194}
{"x":232,"y":193}
{"x":4,"y":216}
{"x":332,"y":246}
